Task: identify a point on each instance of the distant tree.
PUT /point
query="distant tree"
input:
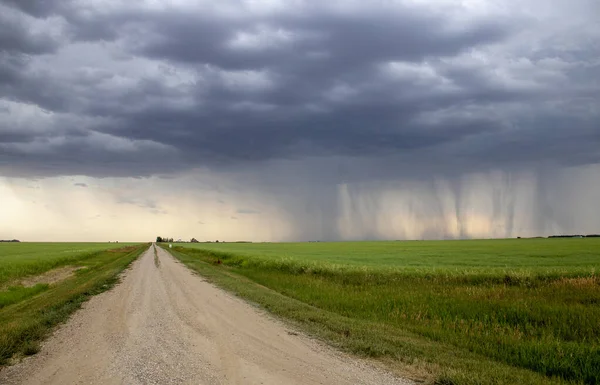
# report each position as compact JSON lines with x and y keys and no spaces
{"x":171,"y":240}
{"x":159,"y":239}
{"x":217,"y":241}
{"x":194,"y":240}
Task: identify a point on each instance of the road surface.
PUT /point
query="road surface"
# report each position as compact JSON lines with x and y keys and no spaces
{"x":166,"y":325}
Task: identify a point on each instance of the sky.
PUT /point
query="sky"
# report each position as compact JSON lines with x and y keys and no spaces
{"x":296,"y":120}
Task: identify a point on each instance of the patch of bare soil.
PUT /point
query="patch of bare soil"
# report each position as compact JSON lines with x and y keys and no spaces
{"x":50,"y":277}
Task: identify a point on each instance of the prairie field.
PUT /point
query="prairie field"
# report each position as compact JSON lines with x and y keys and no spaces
{"x":18,"y":260}
{"x":447,"y":312}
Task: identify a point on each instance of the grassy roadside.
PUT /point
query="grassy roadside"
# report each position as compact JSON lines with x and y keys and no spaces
{"x":25,"y":323}
{"x":359,"y":311}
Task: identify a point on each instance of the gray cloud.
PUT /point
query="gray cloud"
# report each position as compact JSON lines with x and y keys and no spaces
{"x":396,"y":89}
{"x":142,"y":203}
{"x":80,"y":185}
{"x":313,"y":32}
{"x":247,"y":211}
{"x":37,"y":8}
{"x":22,"y":34}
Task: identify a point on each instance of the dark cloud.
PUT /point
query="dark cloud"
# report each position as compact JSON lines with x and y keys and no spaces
{"x":341,"y":40}
{"x":133,"y":90}
{"x":37,"y":8}
{"x":80,"y":185}
{"x":20,"y":35}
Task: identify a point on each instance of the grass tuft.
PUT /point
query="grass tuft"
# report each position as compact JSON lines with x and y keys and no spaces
{"x":30,"y":348}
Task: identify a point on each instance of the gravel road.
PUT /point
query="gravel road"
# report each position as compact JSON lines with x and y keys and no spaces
{"x":166,"y":325}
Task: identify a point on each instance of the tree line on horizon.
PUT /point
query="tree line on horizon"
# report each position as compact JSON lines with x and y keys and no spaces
{"x":576,"y":236}
{"x":193,"y":240}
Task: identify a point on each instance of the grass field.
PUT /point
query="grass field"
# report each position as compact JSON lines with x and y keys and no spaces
{"x":453,"y":312}
{"x":18,"y":260}
{"x":28,"y":313}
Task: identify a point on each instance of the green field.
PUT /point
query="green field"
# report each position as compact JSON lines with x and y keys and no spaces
{"x":449,"y":312}
{"x":532,"y":255}
{"x":18,"y":260}
{"x":28,"y":312}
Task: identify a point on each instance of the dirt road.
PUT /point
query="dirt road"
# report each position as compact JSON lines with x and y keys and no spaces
{"x":165,"y":325}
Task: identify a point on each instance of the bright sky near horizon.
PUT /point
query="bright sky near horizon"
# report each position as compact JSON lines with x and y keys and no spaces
{"x":298,"y":119}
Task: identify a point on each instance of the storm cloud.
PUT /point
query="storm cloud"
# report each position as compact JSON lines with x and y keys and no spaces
{"x":318,"y":107}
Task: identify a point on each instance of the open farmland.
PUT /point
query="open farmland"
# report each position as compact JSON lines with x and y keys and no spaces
{"x":18,"y":260}
{"x":451,"y":312}
{"x":42,"y":283}
{"x":164,"y":325}
{"x":531,"y":255}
